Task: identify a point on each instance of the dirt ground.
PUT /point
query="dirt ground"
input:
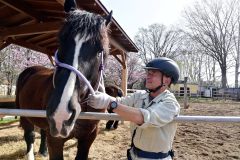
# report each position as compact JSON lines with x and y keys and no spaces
{"x":194,"y":141}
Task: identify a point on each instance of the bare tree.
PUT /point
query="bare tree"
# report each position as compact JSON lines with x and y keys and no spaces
{"x":156,"y":41}
{"x":210,"y":69}
{"x":189,"y":59}
{"x":209,"y":24}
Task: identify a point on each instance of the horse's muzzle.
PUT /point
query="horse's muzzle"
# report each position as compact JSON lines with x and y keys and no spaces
{"x":61,"y":128}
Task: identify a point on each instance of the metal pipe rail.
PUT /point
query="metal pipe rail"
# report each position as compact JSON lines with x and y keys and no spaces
{"x":113,"y":116}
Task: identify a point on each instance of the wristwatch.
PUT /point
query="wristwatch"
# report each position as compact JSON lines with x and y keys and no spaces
{"x":112,"y":106}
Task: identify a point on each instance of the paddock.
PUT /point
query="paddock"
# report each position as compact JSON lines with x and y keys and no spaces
{"x":194,"y":140}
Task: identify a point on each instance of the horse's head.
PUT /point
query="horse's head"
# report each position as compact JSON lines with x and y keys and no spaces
{"x":82,"y":38}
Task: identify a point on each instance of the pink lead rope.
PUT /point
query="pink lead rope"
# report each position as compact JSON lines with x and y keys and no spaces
{"x":79,"y":74}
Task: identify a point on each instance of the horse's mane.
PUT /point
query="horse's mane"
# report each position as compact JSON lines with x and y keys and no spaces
{"x":86,"y":24}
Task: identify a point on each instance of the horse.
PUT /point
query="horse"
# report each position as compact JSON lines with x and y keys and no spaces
{"x":83,"y":45}
{"x":114,"y":91}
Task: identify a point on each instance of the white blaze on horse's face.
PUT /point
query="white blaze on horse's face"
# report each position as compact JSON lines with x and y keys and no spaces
{"x":62,"y":112}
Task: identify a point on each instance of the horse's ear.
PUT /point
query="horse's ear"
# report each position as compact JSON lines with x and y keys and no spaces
{"x":108,"y":18}
{"x":69,"y":5}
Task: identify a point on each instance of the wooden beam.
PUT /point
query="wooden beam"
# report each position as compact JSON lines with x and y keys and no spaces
{"x":39,"y":28}
{"x":124,"y":80}
{"x":123,"y":55}
{"x":61,"y":2}
{"x":30,"y":46}
{"x":37,"y":38}
{"x":113,"y":50}
{"x":52,"y":45}
{"x":15,"y":19}
{"x":47,"y":41}
{"x":24,"y":8}
{"x":4,"y":44}
{"x":119,"y":60}
{"x":124,"y":74}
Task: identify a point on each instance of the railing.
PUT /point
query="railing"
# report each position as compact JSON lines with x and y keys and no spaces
{"x":107,"y":116}
{"x":227,"y":95}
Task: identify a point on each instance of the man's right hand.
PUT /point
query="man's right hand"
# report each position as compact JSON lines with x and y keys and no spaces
{"x":99,"y":100}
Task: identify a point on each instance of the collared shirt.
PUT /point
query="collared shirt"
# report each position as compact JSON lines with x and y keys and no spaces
{"x":157,"y":132}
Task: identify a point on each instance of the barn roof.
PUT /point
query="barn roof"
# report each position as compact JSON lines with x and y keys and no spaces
{"x":34,"y":24}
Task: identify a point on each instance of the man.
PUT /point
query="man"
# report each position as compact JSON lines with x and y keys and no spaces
{"x":151,"y":112}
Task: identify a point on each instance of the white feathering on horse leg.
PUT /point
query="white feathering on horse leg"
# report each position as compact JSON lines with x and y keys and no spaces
{"x":30,"y":154}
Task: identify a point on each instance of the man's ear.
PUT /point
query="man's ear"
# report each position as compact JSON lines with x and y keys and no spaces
{"x":167,"y":80}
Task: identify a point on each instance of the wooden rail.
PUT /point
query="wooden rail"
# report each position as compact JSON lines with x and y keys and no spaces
{"x":7,"y":102}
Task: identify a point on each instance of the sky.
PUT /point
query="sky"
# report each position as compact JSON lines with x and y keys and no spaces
{"x":134,"y":14}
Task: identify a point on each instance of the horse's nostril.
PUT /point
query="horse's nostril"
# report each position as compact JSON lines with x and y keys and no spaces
{"x":54,"y":132}
{"x":72,"y":117}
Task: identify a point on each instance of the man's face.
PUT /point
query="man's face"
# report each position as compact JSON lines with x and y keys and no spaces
{"x":153,"y":78}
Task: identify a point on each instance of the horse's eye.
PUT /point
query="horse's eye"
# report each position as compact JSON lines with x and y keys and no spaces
{"x":99,"y":53}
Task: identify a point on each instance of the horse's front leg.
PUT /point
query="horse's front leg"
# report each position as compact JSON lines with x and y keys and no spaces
{"x":115,"y":125}
{"x":55,"y":147}
{"x":84,"y":145}
{"x":109,"y":124}
{"x":43,"y":145}
{"x":29,"y":137}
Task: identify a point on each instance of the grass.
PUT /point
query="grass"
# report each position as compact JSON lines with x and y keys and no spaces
{"x":8,"y":121}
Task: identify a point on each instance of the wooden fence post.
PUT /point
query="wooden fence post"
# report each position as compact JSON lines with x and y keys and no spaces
{"x":186,"y":105}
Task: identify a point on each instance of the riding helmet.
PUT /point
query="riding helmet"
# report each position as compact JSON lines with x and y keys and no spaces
{"x":166,"y":66}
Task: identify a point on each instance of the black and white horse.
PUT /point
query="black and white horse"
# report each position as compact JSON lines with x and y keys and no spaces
{"x":84,"y":45}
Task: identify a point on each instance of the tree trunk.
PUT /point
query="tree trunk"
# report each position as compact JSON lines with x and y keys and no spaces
{"x":237,"y":59}
{"x":224,"y":76}
{"x":9,"y":90}
{"x":214,"y":71}
{"x":236,"y":71}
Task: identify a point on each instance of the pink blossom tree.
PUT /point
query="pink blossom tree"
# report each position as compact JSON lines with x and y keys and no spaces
{"x":113,"y":70}
{"x":14,"y":59}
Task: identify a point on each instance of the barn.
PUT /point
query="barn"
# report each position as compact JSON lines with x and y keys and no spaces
{"x":34,"y":24}
{"x":178,"y":89}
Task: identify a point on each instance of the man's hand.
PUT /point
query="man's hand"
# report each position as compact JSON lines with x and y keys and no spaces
{"x":99,"y":100}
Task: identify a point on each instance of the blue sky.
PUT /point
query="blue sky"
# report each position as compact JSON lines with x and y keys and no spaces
{"x":133,"y":14}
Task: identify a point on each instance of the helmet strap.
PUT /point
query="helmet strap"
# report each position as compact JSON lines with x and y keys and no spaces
{"x":154,"y":90}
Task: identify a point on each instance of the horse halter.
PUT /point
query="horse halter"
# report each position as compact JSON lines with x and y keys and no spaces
{"x":79,"y":74}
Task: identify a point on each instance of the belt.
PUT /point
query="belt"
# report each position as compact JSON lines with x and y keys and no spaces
{"x":151,"y":155}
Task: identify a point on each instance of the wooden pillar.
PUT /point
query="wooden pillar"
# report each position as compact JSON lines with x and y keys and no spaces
{"x":124,"y":74}
{"x":124,"y":80}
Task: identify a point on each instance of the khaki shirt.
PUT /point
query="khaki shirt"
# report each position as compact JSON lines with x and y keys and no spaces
{"x":157,"y":132}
